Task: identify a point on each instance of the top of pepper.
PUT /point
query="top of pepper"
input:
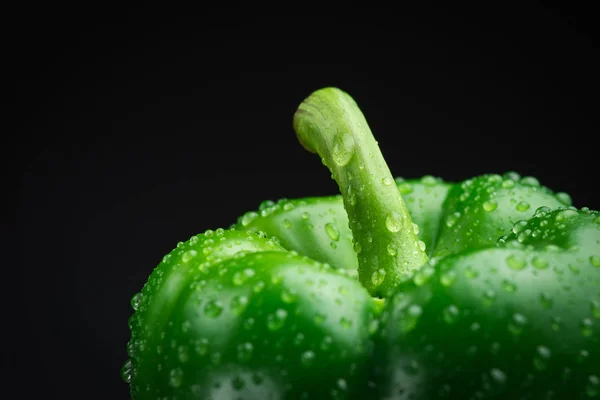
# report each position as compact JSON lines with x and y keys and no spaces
{"x":330,"y":124}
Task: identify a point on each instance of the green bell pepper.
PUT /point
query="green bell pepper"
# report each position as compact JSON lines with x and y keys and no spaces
{"x":395,"y":289}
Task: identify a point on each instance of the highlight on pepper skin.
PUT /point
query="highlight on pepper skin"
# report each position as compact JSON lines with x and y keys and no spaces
{"x":396,"y":288}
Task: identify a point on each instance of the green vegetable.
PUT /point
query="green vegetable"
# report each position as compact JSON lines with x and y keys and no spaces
{"x":397,"y":289}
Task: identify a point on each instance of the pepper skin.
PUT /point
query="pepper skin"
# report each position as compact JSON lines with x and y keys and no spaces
{"x":395,"y":289}
{"x":515,"y":321}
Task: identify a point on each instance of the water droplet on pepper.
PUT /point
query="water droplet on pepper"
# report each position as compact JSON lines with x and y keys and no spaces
{"x":523,"y":206}
{"x":490,"y":205}
{"x":378,"y":277}
{"x":332,"y":231}
{"x":342,"y":149}
{"x":516,"y":262}
{"x":277,"y":320}
{"x":213,"y":308}
{"x":387,"y":181}
{"x":175,"y":377}
{"x":244,"y":351}
{"x":393,"y":222}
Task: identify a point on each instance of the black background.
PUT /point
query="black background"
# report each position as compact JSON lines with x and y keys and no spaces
{"x":136,"y":128}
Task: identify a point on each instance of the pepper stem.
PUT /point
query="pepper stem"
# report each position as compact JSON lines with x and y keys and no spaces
{"x":329,"y":123}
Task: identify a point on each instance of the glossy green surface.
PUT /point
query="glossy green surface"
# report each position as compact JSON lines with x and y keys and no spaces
{"x":228,"y":314}
{"x":284,"y":304}
{"x":448,"y":218}
{"x":520,"y":321}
